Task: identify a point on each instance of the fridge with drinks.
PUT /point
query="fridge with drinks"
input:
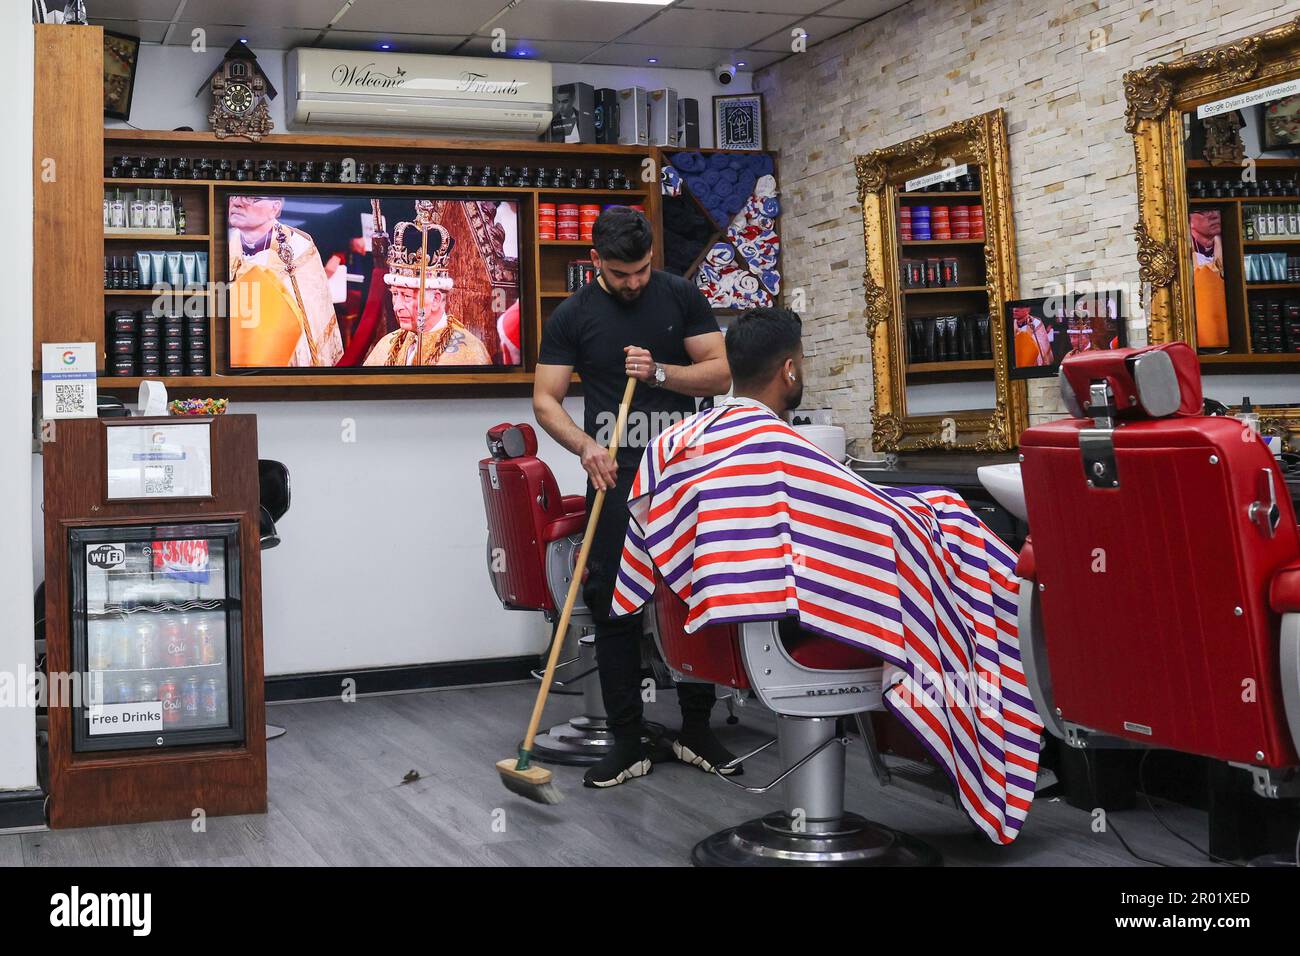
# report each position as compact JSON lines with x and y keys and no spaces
{"x":156,"y":642}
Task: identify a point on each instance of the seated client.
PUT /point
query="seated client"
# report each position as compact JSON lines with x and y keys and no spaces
{"x":746,"y":519}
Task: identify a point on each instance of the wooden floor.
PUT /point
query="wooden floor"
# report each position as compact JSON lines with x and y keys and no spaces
{"x":337,"y":797}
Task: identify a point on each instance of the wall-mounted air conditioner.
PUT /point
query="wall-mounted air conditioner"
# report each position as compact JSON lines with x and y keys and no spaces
{"x":449,"y":94}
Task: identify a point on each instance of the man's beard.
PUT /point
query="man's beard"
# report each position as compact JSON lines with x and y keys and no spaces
{"x":794,"y":400}
{"x":623,"y":295}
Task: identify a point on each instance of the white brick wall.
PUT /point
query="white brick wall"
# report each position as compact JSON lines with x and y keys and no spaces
{"x":933,"y":62}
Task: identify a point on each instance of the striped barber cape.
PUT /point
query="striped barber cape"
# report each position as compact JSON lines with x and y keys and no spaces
{"x":746,"y":520}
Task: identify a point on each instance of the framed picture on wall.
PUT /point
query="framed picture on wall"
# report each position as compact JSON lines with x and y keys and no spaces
{"x":121,"y":53}
{"x":1280,"y":124}
{"x":738,"y":121}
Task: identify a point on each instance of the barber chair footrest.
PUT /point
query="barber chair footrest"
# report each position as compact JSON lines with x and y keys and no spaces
{"x":583,"y":741}
{"x":853,"y":841}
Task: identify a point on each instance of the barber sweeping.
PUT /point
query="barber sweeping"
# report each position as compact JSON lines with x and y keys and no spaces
{"x":657,"y":328}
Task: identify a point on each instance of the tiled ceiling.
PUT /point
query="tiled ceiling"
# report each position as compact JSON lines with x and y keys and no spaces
{"x":690,"y":34}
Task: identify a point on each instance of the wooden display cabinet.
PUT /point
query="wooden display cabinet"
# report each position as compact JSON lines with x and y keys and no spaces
{"x":213,"y":760}
{"x":542,"y":263}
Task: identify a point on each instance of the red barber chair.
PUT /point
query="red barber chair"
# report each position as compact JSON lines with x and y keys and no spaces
{"x":811,"y":683}
{"x":1160,"y":603}
{"x":534,"y":534}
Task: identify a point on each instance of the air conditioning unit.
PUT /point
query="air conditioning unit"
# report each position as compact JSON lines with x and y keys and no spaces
{"x":447,"y":94}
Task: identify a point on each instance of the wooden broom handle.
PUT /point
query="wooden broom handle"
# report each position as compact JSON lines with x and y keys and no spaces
{"x":576,"y":582}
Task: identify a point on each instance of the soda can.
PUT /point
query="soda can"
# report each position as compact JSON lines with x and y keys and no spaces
{"x":122,"y":692}
{"x":210,"y":699}
{"x":205,"y":643}
{"x":121,"y":645}
{"x":169,"y":693}
{"x":145,"y":653}
{"x":190,"y":699}
{"x":175,"y":653}
{"x":99,"y":655}
{"x":146,"y":690}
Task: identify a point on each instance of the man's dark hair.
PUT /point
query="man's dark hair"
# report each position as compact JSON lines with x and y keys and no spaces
{"x":758,"y":343}
{"x":622,"y":233}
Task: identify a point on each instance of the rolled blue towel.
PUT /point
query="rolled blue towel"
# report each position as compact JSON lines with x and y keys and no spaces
{"x":725,"y":176}
{"x":763,"y":165}
{"x":746,"y":182}
{"x":690,"y":162}
{"x":712,"y":177}
{"x":719,"y":161}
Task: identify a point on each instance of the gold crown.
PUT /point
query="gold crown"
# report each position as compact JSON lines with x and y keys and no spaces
{"x":404,"y":262}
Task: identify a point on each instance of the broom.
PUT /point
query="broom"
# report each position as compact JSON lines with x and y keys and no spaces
{"x":517,"y":773}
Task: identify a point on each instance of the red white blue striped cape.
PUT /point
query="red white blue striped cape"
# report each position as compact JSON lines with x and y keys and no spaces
{"x":746,"y":519}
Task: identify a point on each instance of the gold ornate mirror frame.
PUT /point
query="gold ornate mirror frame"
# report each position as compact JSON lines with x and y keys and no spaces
{"x":882,"y":174}
{"x":1157,"y":97}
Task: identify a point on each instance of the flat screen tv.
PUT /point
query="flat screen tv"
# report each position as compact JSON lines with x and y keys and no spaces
{"x":321,"y":281}
{"x":1042,"y":332}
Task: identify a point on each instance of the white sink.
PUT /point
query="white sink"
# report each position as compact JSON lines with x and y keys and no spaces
{"x":1003,"y":483}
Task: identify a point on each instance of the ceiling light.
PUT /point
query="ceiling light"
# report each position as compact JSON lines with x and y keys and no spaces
{"x":385,"y":46}
{"x":648,"y":3}
{"x":740,"y":63}
{"x":653,"y":59}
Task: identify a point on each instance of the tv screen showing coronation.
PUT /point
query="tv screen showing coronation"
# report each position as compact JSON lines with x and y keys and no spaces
{"x":1040,"y":333}
{"x":372,"y":283}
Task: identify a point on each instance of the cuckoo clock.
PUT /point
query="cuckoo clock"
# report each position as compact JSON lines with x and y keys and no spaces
{"x":241,"y":94}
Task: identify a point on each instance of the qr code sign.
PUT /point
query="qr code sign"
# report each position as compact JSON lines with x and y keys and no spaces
{"x":69,"y":399}
{"x":158,"y":480}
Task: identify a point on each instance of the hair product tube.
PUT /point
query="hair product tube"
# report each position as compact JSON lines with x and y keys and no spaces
{"x":203,"y":269}
{"x":142,"y":263}
{"x":174,"y":276}
{"x":189,"y":266}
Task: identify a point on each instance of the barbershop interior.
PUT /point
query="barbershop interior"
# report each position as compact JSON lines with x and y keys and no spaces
{"x":629,"y":433}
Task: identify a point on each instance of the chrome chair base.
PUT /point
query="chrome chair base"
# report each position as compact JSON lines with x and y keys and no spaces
{"x":851,"y":841}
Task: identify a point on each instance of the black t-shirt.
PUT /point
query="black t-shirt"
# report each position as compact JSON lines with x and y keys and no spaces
{"x":589,"y":331}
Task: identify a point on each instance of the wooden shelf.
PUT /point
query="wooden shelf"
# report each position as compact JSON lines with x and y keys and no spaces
{"x":548,"y":194}
{"x":293,"y":141}
{"x":565,"y":242}
{"x":1270,"y":286}
{"x":179,"y":293}
{"x":1264,"y":163}
{"x":1290,"y":241}
{"x":548,"y":294}
{"x":1209,"y":201}
{"x":946,"y":195}
{"x":341,"y":378}
{"x":969,"y":365}
{"x":1252,"y":358}
{"x":157,"y":236}
{"x":951,"y":288}
{"x":941,"y":242}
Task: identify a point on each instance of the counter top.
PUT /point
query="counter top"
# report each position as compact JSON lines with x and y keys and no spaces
{"x":953,"y":470}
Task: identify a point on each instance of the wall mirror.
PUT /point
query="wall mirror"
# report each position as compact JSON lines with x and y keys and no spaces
{"x":941,"y":262}
{"x":1217,"y":140}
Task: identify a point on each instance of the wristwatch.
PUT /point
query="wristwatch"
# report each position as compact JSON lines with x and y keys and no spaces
{"x":660,"y":376}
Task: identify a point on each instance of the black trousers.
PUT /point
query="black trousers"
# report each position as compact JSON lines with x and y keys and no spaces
{"x":618,"y":639}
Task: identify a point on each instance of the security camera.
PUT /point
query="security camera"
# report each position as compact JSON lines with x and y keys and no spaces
{"x":725,"y":72}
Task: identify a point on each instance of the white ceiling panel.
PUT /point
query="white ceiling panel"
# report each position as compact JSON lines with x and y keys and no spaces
{"x":219,"y":37}
{"x":126,"y":9}
{"x":573,"y":20}
{"x":439,"y":17}
{"x":150,"y":31}
{"x":283,"y":14}
{"x":709,"y":28}
{"x":552,"y":51}
{"x":790,"y":7}
{"x":862,"y":9}
{"x":399,"y":42}
{"x":817,"y":28}
{"x":669,"y":57}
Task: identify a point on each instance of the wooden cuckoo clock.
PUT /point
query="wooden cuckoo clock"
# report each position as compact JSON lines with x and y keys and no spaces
{"x":241,"y":94}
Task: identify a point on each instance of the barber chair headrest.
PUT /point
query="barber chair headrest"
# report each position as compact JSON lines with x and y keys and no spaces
{"x":511,"y":441}
{"x":1152,"y":382}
